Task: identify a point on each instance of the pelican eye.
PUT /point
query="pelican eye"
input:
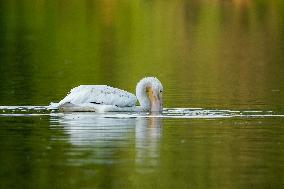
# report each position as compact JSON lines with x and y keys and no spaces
{"x":161,"y":91}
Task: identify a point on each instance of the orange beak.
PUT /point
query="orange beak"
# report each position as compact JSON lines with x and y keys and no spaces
{"x":156,"y":100}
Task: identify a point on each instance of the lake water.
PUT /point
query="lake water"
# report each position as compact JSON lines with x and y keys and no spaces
{"x":221,"y":64}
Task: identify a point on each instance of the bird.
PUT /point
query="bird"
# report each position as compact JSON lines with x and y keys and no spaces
{"x":103,"y":98}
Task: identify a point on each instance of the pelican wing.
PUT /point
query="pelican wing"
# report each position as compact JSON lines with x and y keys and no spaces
{"x":99,"y":94}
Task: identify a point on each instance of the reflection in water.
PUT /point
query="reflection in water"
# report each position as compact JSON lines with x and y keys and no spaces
{"x":87,"y":129}
{"x":87,"y":150}
{"x":147,"y":139}
{"x":105,"y":139}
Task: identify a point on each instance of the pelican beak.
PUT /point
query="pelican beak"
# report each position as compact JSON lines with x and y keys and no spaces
{"x":157,"y":105}
{"x":155,"y":99}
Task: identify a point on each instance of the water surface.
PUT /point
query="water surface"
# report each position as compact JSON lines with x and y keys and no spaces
{"x":83,"y":150}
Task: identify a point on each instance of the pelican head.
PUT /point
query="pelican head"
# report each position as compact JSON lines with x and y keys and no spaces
{"x":149,"y":92}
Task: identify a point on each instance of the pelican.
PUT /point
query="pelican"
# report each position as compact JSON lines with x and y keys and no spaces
{"x":103,"y":98}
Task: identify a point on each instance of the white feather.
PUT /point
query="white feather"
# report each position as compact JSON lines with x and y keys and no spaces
{"x":103,"y":98}
{"x":99,"y":94}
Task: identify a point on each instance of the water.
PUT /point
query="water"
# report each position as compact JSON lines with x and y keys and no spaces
{"x":221,"y":64}
{"x":181,"y":147}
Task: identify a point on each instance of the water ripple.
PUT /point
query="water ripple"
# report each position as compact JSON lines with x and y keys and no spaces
{"x":188,"y":113}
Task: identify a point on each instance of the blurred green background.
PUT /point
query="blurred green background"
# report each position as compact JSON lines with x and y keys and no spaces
{"x":223,"y":54}
{"x":210,"y":54}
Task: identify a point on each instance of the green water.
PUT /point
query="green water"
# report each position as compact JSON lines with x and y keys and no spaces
{"x":215,"y":55}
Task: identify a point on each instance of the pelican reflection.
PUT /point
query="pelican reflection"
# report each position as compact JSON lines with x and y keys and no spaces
{"x":113,"y":138}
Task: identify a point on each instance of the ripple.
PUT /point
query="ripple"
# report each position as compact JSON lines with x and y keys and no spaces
{"x":186,"y":113}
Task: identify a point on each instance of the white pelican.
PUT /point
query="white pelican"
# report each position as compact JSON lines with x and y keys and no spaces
{"x":103,"y":98}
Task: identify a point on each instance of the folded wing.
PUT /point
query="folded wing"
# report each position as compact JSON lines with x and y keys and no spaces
{"x":99,"y":94}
